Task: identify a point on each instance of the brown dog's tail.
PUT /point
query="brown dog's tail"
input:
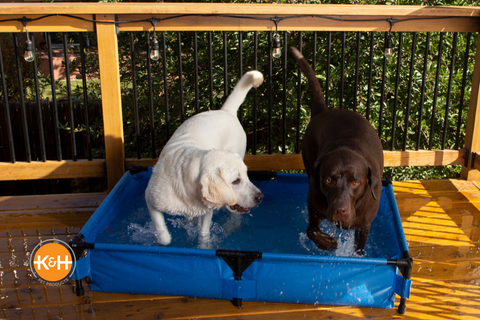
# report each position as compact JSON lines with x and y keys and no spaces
{"x":318,"y":103}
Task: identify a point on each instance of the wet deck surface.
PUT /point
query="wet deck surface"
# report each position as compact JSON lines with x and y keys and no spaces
{"x":441,"y":220}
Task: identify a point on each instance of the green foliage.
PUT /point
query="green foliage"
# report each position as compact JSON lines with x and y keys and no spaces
{"x":11,"y":68}
{"x":268,"y":138}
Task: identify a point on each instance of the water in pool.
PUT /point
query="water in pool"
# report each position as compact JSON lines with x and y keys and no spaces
{"x":278,"y":225}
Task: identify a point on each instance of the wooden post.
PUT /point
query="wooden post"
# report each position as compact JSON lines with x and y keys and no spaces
{"x":111,"y":98}
{"x":472,"y":135}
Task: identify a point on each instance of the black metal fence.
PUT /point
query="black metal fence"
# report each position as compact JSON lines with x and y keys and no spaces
{"x":417,"y":99}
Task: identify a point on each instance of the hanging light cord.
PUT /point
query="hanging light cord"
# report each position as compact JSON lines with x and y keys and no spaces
{"x":276,"y":19}
{"x":29,"y":56}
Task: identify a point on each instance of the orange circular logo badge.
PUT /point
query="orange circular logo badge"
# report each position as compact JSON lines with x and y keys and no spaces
{"x":52,"y":261}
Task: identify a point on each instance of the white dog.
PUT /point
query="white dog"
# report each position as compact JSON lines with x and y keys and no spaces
{"x":201,"y":168}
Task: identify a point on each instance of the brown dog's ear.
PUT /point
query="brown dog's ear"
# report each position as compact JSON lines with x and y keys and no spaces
{"x":316,"y":173}
{"x":216,"y":190}
{"x":372,"y":181}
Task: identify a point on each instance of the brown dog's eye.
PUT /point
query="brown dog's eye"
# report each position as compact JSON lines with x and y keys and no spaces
{"x":236,"y":181}
{"x":328,"y":181}
{"x":355,"y":183}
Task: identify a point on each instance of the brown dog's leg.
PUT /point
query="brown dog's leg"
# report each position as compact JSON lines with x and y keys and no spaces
{"x":322,"y":240}
{"x":361,"y":237}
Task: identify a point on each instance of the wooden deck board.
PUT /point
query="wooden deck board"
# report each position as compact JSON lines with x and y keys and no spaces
{"x":441,"y":220}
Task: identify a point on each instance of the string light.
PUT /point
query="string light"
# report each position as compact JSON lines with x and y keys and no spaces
{"x":155,"y":50}
{"x":276,"y":46}
{"x":388,"y":46}
{"x":276,"y":42}
{"x":388,"y":39}
{"x":29,"y":55}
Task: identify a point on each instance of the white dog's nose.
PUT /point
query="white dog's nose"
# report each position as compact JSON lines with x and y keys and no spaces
{"x":259,"y":197}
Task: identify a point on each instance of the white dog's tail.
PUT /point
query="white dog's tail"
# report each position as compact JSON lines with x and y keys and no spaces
{"x":250,"y":79}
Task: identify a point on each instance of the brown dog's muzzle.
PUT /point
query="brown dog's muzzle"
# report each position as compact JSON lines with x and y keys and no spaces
{"x":342,"y":211}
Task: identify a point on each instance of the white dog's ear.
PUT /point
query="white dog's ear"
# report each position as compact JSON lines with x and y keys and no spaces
{"x":216,"y":189}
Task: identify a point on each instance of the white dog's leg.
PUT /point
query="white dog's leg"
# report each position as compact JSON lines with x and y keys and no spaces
{"x":162,"y":233}
{"x":204,"y":223}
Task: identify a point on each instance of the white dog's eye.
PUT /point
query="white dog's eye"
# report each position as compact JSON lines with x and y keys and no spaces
{"x":236,"y":181}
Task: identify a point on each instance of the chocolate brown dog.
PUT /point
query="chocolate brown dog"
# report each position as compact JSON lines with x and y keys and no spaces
{"x":343,"y":156}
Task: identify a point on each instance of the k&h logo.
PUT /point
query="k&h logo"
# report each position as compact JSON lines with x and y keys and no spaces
{"x":52,"y":261}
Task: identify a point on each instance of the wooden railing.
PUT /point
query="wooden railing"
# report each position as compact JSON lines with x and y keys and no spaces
{"x":215,"y":17}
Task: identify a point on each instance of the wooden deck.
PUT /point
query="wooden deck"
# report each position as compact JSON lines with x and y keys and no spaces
{"x":441,"y":220}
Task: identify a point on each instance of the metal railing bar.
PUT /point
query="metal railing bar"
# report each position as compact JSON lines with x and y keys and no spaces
{"x":342,"y":69}
{"x":435,"y":92}
{"x":397,"y":85}
{"x":225,"y":66}
{"x":23,"y":112}
{"x":284,"y":86}
{"x":270,"y":75}
{"x":41,"y":135}
{"x":327,"y":76}
{"x":240,"y":68}
{"x":422,"y":91}
{"x":210,"y":68}
{"x":56,"y":124}
{"x":449,"y":90}
{"x":370,"y":74}
{"x":299,"y":96}
{"x":85,"y":93}
{"x":195,"y":62}
{"x":382,"y":95}
{"x":165,"y":84}
{"x":409,"y":94}
{"x":255,"y":95}
{"x":69,"y":97}
{"x":135,"y":94}
{"x":180,"y":76}
{"x":462,"y":94}
{"x":314,"y":55}
{"x":150,"y":96}
{"x":357,"y":66}
{"x":6,"y":105}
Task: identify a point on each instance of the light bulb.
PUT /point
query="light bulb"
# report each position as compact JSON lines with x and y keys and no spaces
{"x":388,"y":52}
{"x":155,"y":52}
{"x":276,"y":45}
{"x":388,"y":47}
{"x":29,"y":55}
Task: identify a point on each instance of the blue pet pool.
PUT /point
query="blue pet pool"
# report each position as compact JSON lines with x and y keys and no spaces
{"x":263,"y":255}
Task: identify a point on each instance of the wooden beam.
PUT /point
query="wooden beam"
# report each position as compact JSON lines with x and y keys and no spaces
{"x":66,"y":169}
{"x":424,"y":158}
{"x":278,"y":162}
{"x":307,"y":23}
{"x":235,"y":8}
{"x":49,"y":24}
{"x":472,"y":133}
{"x":459,"y":19}
{"x":111,"y":99}
{"x":96,"y":169}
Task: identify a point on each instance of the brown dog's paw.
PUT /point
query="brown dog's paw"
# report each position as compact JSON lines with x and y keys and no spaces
{"x":323,"y":240}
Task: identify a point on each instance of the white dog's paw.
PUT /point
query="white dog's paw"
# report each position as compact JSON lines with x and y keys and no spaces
{"x":164,"y":238}
{"x":204,"y":241}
